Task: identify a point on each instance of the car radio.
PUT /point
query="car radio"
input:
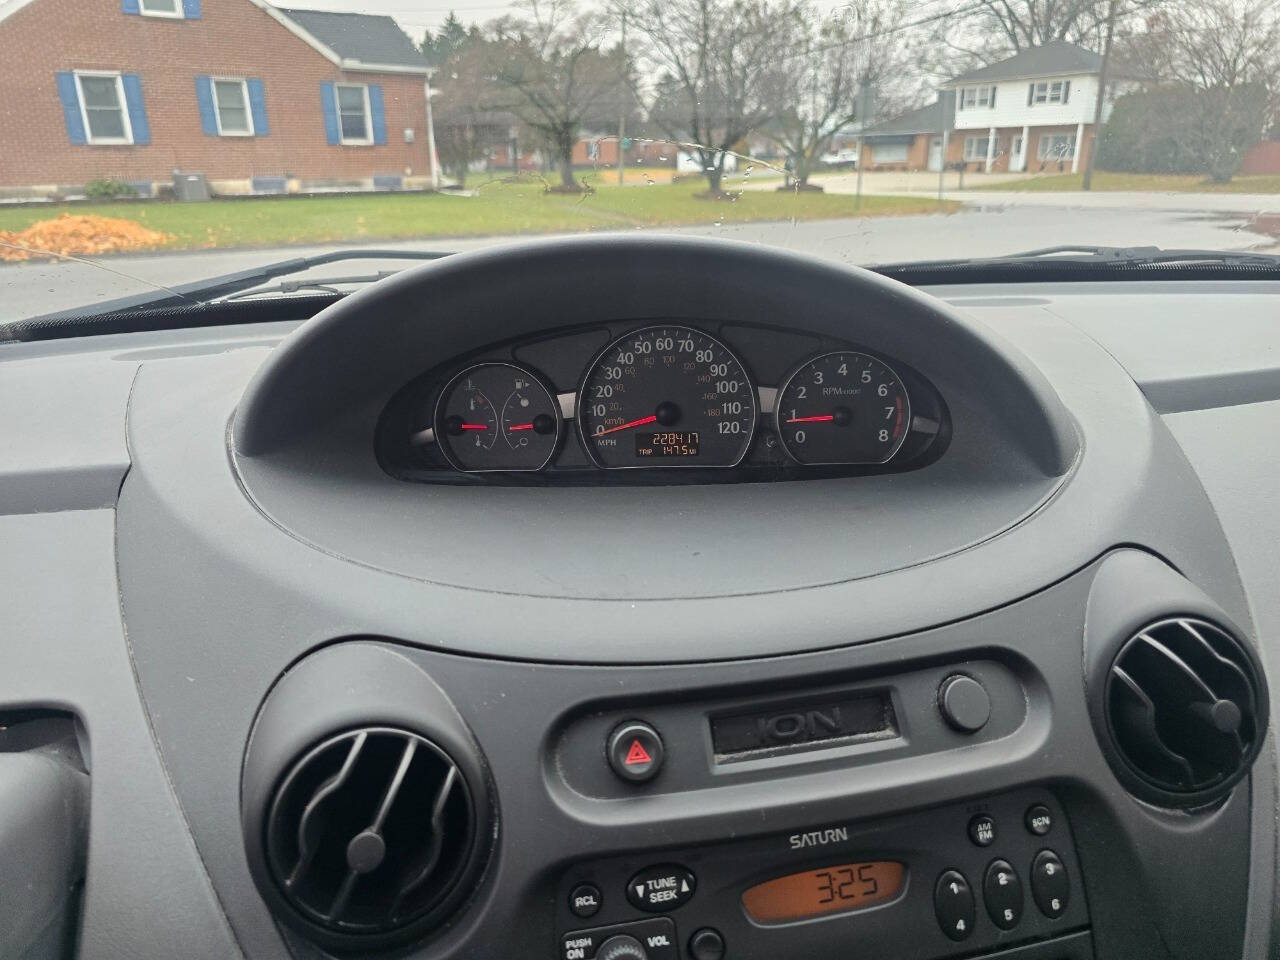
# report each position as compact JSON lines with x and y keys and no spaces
{"x":989,"y":876}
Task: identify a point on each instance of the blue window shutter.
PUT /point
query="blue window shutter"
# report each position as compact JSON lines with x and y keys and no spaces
{"x":204,"y":97}
{"x":258,"y":104}
{"x":130,"y":6}
{"x":379,"y":114}
{"x":191,"y":9}
{"x":70,"y":98}
{"x":137,"y":109}
{"x":329,"y":98}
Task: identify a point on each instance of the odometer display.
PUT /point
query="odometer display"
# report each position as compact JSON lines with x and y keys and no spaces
{"x":843,"y":407}
{"x":667,"y":396}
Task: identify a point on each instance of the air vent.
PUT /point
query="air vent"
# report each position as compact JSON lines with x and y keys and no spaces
{"x":372,"y":832}
{"x":1183,"y":710}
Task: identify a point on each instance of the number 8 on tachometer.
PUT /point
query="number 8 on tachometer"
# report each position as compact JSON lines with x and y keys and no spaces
{"x":666,"y":396}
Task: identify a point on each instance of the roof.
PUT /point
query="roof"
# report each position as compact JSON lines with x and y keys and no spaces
{"x":931,"y":118}
{"x":355,"y":41}
{"x":1055,"y":59}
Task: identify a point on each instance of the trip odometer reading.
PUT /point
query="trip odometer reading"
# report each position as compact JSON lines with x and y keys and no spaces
{"x":667,"y":396}
{"x":843,"y":407}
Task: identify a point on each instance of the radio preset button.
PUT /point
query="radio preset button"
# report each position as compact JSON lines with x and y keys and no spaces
{"x":1050,"y":887}
{"x":1002,"y":891}
{"x":584,"y":900}
{"x":662,"y":888}
{"x":954,"y":905}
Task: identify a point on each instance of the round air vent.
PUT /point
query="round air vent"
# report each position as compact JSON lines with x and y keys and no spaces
{"x":1184,"y":710}
{"x":371,"y":833}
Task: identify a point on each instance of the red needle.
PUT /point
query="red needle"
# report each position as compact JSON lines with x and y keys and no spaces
{"x":521,"y":426}
{"x":625,"y":426}
{"x":474,"y":426}
{"x":825,"y":419}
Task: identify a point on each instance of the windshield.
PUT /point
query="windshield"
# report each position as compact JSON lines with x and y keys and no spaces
{"x":147,"y":146}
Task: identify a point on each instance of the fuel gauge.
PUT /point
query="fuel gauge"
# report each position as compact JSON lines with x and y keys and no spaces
{"x":496,"y":417}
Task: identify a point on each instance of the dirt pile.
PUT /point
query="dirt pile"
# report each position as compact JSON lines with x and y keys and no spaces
{"x":78,"y":235}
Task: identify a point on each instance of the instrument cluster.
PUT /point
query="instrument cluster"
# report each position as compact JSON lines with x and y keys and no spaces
{"x":667,"y":396}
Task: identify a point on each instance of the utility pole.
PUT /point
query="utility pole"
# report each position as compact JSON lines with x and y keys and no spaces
{"x":433,"y":160}
{"x":1102,"y":92}
{"x":622,"y":116}
{"x":862,"y":126}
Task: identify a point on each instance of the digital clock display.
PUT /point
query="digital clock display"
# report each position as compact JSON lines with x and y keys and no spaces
{"x":815,"y":893}
{"x":667,"y":445}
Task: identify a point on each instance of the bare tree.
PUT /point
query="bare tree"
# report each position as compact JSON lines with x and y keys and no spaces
{"x":840,"y":61}
{"x":468,"y":114}
{"x":724,"y":70}
{"x":1212,"y":68}
{"x":557,"y":75}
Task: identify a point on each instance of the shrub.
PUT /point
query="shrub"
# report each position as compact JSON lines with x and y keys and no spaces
{"x":108,"y":189}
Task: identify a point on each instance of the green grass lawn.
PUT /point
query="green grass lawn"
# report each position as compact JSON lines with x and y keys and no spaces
{"x":497,"y":207}
{"x":1144,"y":182}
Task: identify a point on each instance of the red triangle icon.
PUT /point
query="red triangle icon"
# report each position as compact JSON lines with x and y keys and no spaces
{"x":637,"y":754}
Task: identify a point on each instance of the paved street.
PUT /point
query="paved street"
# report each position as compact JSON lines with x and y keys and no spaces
{"x":984,"y":228}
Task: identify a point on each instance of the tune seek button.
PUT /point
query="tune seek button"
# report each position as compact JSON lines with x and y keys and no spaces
{"x":954,"y":905}
{"x":662,"y":888}
{"x":635,"y":751}
{"x":1002,"y":891}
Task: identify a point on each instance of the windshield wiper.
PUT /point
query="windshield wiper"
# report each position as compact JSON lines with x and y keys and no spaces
{"x":225,"y":286}
{"x":1084,"y":262}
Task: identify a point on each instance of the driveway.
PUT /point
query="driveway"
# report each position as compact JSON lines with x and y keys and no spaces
{"x":916,"y":183}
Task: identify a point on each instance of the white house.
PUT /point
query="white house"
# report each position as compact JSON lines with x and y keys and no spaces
{"x":1033,"y":112}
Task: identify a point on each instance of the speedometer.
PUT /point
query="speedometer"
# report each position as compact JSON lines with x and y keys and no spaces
{"x":667,"y":396}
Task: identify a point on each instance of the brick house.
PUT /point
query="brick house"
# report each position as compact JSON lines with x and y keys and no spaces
{"x":258,"y":98}
{"x":911,"y":141}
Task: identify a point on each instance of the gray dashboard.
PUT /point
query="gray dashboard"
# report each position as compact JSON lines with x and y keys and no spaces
{"x":188,"y":517}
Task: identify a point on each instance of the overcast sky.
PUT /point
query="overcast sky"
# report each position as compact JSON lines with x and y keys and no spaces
{"x":416,"y":16}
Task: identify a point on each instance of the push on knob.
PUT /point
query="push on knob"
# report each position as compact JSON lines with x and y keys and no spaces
{"x":621,"y":947}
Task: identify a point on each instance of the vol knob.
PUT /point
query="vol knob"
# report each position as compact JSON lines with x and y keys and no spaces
{"x":621,"y":947}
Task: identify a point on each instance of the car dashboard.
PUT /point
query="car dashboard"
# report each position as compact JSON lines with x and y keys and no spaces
{"x":640,"y":598}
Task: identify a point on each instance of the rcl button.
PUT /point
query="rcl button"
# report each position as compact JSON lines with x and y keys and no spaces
{"x":1050,"y":887}
{"x":657,"y":936}
{"x":1002,"y":890}
{"x":659,"y":889}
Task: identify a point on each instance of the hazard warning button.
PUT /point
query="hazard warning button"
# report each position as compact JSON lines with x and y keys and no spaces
{"x":635,"y":751}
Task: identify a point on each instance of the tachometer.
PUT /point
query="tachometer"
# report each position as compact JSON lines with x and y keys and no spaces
{"x":843,"y":407}
{"x":667,"y":396}
{"x":497,"y":416}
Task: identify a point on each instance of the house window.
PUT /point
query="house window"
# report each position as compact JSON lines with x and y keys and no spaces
{"x":231,"y":107}
{"x":161,"y":8}
{"x":971,"y":97}
{"x":975,"y":148}
{"x":102,"y":103}
{"x":1056,"y":146}
{"x":353,"y":113}
{"x":1055,"y":92}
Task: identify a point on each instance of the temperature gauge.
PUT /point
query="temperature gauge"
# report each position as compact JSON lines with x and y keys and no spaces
{"x":497,"y":416}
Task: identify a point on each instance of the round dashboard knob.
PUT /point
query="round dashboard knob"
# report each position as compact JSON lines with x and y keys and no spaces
{"x":964,"y":703}
{"x":621,"y":947}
